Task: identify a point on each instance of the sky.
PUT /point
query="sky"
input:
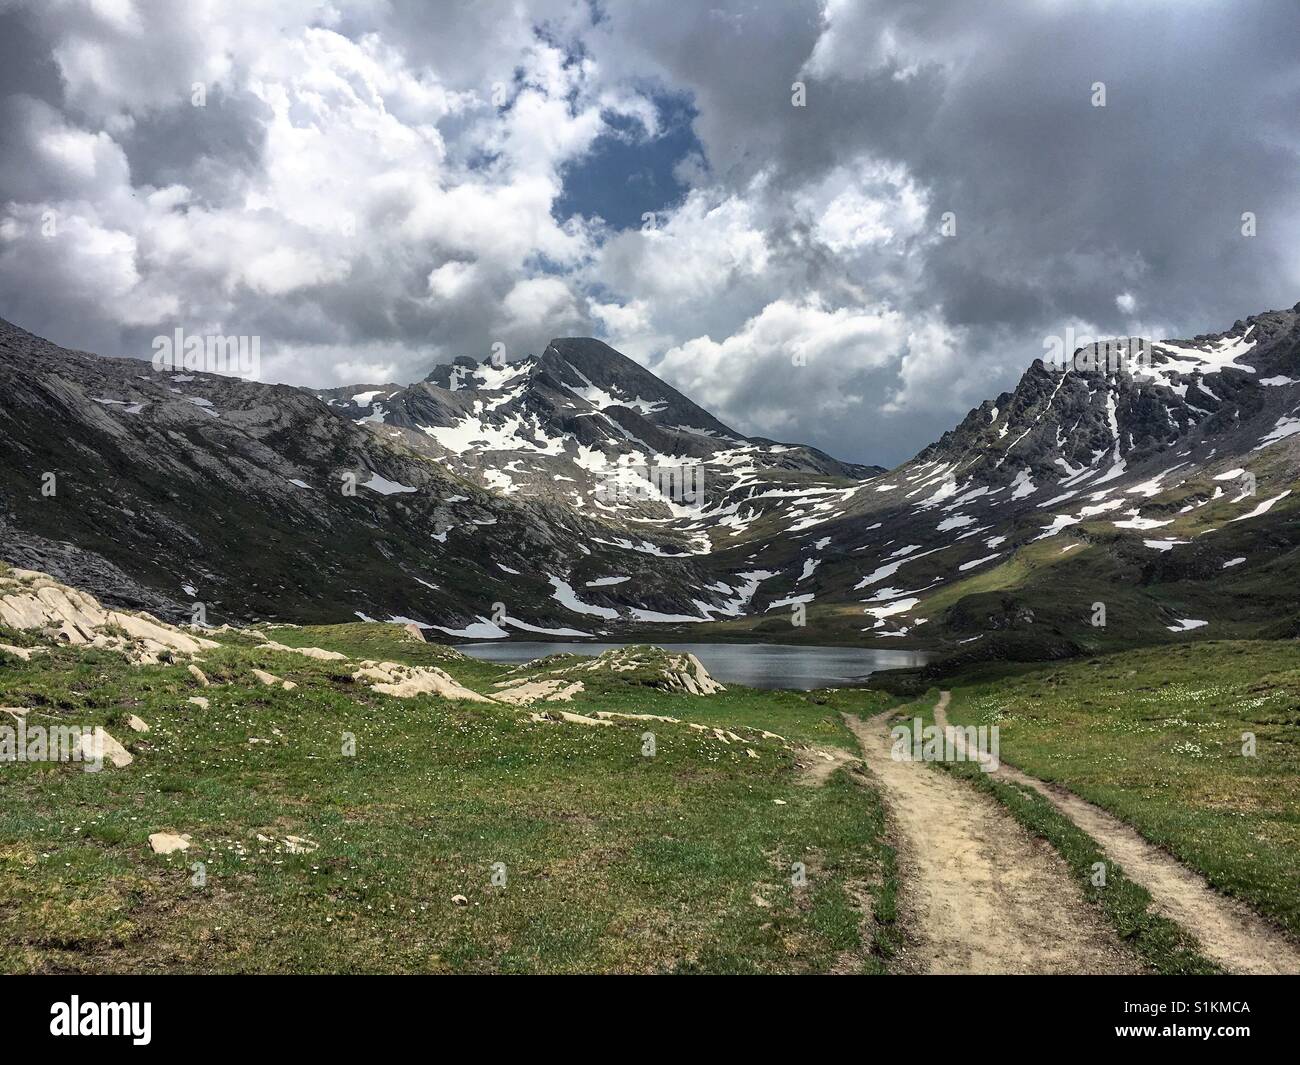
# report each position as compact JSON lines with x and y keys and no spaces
{"x":836,"y":222}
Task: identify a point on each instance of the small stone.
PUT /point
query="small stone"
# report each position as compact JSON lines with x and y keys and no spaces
{"x":168,"y":842}
{"x":414,"y":632}
{"x":99,"y":746}
{"x":136,"y":724}
{"x":269,"y":679}
{"x":779,"y":802}
{"x":197,"y":674}
{"x":459,"y":900}
{"x":198,"y":701}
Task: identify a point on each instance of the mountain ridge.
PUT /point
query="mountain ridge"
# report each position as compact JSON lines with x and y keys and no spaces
{"x":547,"y":496}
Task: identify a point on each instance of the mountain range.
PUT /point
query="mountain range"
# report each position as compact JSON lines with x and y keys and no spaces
{"x":575,"y":494}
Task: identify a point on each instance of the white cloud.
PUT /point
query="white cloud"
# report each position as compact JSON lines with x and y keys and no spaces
{"x":452,"y":280}
{"x":867,"y":203}
{"x":797,"y":353}
{"x":50,"y":158}
{"x":359,"y":194}
{"x":935,"y":372}
{"x":538,"y":299}
{"x":356,"y":183}
{"x":860,"y":37}
{"x":707,"y":244}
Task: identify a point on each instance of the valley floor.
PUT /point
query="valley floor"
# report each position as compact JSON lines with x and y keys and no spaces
{"x":336,"y":827}
{"x":1195,"y":747}
{"x":605,"y":857}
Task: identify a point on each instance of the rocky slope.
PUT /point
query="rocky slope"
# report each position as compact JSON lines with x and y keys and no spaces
{"x":573,"y":492}
{"x":587,"y":428}
{"x":167,"y":491}
{"x":1163,"y":493}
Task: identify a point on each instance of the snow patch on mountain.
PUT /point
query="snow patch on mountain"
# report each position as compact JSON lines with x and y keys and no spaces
{"x":382,"y":485}
{"x":568,"y":598}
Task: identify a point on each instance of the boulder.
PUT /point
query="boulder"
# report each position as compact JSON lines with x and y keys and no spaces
{"x":168,"y":842}
{"x":100,"y":746}
{"x":393,"y":678}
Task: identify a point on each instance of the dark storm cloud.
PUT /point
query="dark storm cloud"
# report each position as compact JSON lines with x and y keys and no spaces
{"x":210,"y":149}
{"x":989,"y":106}
{"x":25,"y":64}
{"x":1061,"y":206}
{"x":1121,"y":218}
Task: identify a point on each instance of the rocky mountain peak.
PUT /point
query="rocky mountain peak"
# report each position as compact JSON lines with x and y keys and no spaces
{"x":588,"y":496}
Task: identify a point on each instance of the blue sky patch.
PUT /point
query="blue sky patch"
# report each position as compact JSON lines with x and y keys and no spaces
{"x":627,"y":174}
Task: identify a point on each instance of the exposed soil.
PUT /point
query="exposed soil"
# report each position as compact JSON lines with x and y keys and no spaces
{"x":1228,"y":931}
{"x":981,"y":894}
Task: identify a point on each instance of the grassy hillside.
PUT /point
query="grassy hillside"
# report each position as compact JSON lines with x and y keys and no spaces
{"x":1235,"y":573}
{"x":613,"y":861}
{"x":1155,"y":736}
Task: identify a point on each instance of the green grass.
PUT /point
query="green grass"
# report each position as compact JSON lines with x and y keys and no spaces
{"x":614,"y":862}
{"x":1159,"y":942}
{"x":1155,"y":737}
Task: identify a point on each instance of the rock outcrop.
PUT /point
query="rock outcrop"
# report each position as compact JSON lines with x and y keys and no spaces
{"x":402,"y":681}
{"x":35,"y":602}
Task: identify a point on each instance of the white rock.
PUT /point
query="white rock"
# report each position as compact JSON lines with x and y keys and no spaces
{"x":99,"y":746}
{"x":522,"y":693}
{"x":168,"y":842}
{"x":393,"y":678}
{"x":31,"y":600}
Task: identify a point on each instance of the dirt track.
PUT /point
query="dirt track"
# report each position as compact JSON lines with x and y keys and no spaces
{"x":983,"y":895}
{"x":1229,"y":932}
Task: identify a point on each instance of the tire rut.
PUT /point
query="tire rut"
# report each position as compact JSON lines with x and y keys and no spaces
{"x":1229,"y":932}
{"x":981,"y":894}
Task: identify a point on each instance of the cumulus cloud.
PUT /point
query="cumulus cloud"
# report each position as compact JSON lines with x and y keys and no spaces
{"x":365,"y":194}
{"x":372,"y":187}
{"x":789,"y":350}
